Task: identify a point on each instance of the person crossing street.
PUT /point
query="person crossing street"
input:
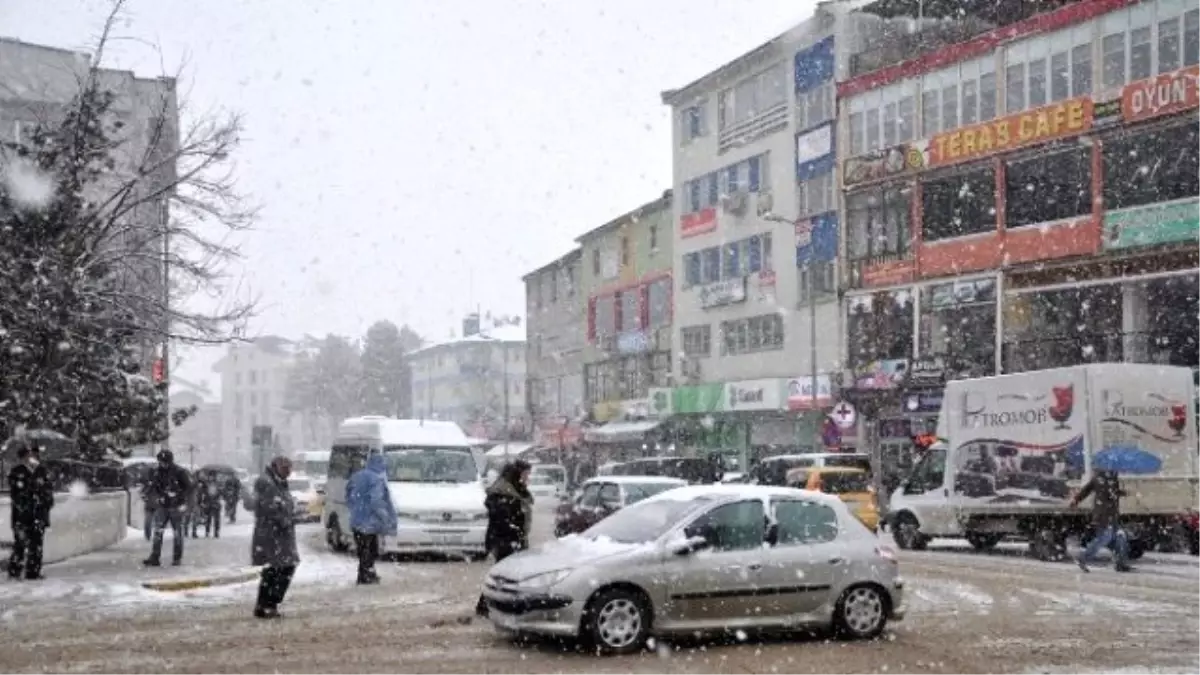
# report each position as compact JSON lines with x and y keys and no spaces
{"x":372,"y":514}
{"x":32,"y":497}
{"x":273,"y":544}
{"x":169,"y":487}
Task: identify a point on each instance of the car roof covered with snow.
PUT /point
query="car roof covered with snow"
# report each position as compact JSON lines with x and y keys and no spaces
{"x":636,"y":480}
{"x":391,"y":431}
{"x":733,"y":491}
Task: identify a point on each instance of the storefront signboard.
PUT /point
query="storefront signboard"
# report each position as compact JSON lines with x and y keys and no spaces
{"x":633,"y":342}
{"x":929,"y":371}
{"x":660,"y":401}
{"x":1152,"y":225}
{"x":881,"y":375}
{"x":1058,"y":120}
{"x":754,"y":395}
{"x":727,"y":292}
{"x":1161,"y":95}
{"x":800,"y":392}
{"x":917,"y":403}
{"x":699,"y":399}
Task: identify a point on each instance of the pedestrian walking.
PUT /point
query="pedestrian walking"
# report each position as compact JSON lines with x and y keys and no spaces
{"x":148,"y":508}
{"x":1105,"y":486}
{"x":32,"y":497}
{"x":274,"y":540}
{"x":372,"y":514}
{"x":170,"y":487}
{"x":231,"y":489}
{"x":208,"y":505}
{"x":510,"y":514}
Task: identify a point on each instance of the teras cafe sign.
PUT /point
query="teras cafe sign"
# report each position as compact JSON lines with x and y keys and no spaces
{"x":1059,"y":120}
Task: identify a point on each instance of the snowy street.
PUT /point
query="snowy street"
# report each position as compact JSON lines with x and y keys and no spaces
{"x":968,"y":613}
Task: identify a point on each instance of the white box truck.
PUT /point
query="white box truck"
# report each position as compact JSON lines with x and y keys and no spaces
{"x":1013,"y":450}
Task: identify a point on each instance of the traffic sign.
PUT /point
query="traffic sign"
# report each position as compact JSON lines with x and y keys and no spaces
{"x":843,"y":415}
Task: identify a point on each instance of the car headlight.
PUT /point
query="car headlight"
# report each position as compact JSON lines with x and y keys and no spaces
{"x":545,"y":579}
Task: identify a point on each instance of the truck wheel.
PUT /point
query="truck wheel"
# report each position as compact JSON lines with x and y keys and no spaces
{"x":983,"y":541}
{"x":907,"y":533}
{"x":1048,"y":546}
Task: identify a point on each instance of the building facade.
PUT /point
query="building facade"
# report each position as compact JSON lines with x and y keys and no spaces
{"x":477,"y":380}
{"x":254,"y":377}
{"x":556,"y":327}
{"x":757,"y":318}
{"x":627,"y":278}
{"x":1021,"y":197}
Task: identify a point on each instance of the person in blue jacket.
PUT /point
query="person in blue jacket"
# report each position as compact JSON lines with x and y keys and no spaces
{"x":372,"y":514}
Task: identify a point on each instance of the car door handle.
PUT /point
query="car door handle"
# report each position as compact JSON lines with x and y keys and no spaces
{"x":836,"y":560}
{"x":754,"y":567}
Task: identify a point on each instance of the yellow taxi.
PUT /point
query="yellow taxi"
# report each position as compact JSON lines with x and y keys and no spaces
{"x":851,"y":485}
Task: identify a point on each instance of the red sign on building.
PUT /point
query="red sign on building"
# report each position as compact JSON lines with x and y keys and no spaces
{"x":1163,"y":95}
{"x":700,"y":222}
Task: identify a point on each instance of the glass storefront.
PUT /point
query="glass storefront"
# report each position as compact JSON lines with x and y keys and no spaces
{"x":879,"y":327}
{"x":958,"y":324}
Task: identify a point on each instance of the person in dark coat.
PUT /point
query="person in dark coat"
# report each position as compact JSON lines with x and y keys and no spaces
{"x":510,"y":514}
{"x":1105,"y":487}
{"x":208,"y":506}
{"x":231,"y":492}
{"x":170,"y":487}
{"x":372,"y":514}
{"x":32,"y":495}
{"x":274,"y":542}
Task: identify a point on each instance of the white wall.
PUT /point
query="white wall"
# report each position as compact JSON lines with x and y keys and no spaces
{"x":78,"y":525}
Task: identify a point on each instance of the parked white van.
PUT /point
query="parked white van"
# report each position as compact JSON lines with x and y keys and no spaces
{"x":435,"y":477}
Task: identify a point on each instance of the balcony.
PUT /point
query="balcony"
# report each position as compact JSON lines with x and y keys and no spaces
{"x":945,"y":22}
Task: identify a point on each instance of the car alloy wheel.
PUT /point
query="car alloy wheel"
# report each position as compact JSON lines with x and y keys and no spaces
{"x":617,"y":621}
{"x":861,"y":612}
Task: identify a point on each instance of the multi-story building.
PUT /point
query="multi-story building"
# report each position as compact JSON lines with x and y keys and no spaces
{"x":1020,"y":192}
{"x":627,"y":279}
{"x":254,"y":378}
{"x":756,"y":302}
{"x":198,"y":440}
{"x":36,"y":84}
{"x":477,"y":380}
{"x":556,"y":328}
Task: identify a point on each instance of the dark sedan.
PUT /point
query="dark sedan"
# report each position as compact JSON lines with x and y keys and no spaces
{"x":598,"y":497}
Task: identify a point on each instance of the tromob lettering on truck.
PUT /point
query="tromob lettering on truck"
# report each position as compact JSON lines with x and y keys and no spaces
{"x":435,"y":477}
{"x":1013,"y":449}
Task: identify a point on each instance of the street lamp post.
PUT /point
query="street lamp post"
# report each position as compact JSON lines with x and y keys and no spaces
{"x":812,"y":309}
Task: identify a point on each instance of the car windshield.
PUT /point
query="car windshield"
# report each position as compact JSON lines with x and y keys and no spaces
{"x":299,"y":484}
{"x":430,"y":465}
{"x":844,"y":482}
{"x":645,"y":521}
{"x":552,"y":474}
{"x":540,"y":479}
{"x":636,"y":492}
{"x":314,"y":467}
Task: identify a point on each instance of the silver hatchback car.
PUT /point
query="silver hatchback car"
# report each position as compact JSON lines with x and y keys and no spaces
{"x":703,"y":559}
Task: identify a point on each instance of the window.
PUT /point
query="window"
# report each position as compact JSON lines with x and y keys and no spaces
{"x":960,"y":204}
{"x":697,"y":340}
{"x":692,"y":123}
{"x":908,"y":119}
{"x":658,"y":296}
{"x":1191,"y":37}
{"x":1141,"y":54}
{"x":610,"y":495}
{"x":1152,"y":166}
{"x":606,"y":315}
{"x":596,"y":262}
{"x":710,"y":271}
{"x":857,"y":138}
{"x":890,"y":119}
{"x":1051,"y":329}
{"x":1037,"y":83}
{"x":705,"y":191}
{"x":929,"y":474}
{"x":873,"y":130}
{"x":551,"y":280}
{"x":958,"y":323}
{"x":590,"y":498}
{"x":631,"y":318}
{"x":753,"y":96}
{"x":653,"y":238}
{"x":877,"y":221}
{"x":987,"y":97}
{"x":804,"y":523}
{"x":1049,"y":187}
{"x":691,"y":270}
{"x":624,"y":250}
{"x":739,"y":526}
{"x":1014,"y":92}
{"x":733,"y":260}
{"x":754,"y":334}
{"x":1168,"y":45}
{"x":1081,"y":70}
{"x":879,"y":327}
{"x":816,"y":196}
{"x":817,"y":279}
{"x":569,"y":280}
{"x":970,"y":103}
{"x":930,"y":120}
{"x":1060,"y":76}
{"x":1112,"y":61}
{"x":814,"y":107}
{"x":950,"y":107}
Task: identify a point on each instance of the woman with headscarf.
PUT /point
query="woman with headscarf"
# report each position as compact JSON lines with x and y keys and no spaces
{"x":510,"y":514}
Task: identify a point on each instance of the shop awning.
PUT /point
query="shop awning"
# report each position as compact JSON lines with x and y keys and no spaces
{"x":620,"y":431}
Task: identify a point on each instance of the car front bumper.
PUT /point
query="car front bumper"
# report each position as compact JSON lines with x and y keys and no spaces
{"x":538,"y":613}
{"x":436,"y":538}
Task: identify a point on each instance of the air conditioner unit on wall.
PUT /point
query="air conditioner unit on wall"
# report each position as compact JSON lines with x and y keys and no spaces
{"x":766,"y":203}
{"x":734,"y":203}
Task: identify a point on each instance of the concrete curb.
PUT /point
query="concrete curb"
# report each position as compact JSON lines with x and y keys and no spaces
{"x":207,"y":582}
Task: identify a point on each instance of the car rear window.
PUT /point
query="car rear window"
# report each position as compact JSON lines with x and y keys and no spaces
{"x":844,"y":483}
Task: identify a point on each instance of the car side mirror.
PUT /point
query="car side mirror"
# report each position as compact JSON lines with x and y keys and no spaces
{"x":691,"y":545}
{"x":772,"y":534}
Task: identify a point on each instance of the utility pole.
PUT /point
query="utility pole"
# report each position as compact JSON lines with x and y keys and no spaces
{"x":507,"y":422}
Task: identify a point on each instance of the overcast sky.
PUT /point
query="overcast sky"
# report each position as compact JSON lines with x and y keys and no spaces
{"x":415,"y":158}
